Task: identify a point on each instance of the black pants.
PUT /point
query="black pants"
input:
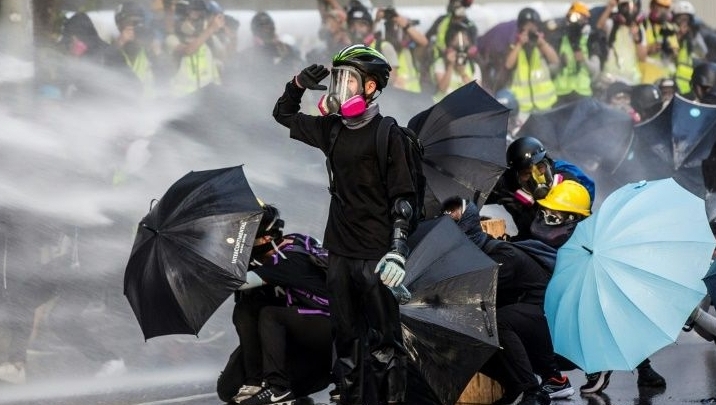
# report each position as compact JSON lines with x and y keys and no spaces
{"x":526,"y":348}
{"x":370,"y":356}
{"x":308,"y":336}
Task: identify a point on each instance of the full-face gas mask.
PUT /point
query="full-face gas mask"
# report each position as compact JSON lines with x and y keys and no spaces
{"x":536,"y":184}
{"x":345,"y":93}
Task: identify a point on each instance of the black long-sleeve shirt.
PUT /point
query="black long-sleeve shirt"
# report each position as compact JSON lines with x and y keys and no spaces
{"x":359,"y":222}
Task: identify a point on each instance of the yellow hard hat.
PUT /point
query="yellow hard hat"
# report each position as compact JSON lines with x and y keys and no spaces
{"x":579,"y":8}
{"x":663,"y":3}
{"x":568,"y":196}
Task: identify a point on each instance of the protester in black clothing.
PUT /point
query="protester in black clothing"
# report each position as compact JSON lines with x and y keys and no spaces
{"x":368,"y":220}
{"x":563,"y":207}
{"x":531,"y":173}
{"x":521,"y":324}
{"x":285,"y":340}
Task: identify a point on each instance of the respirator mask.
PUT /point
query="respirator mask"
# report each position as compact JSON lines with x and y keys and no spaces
{"x":345,"y":93}
{"x":536,"y":184}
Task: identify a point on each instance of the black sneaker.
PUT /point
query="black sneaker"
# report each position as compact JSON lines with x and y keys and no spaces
{"x":537,"y":397}
{"x":271,"y":395}
{"x":557,"y":388}
{"x":596,"y":382}
{"x":650,"y":378}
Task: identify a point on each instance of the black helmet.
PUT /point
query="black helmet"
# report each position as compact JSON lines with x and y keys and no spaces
{"x":704,"y":75}
{"x":183,"y":7}
{"x":262,"y":24}
{"x":525,"y":152}
{"x":367,"y":60}
{"x":646,"y":100}
{"x":528,"y":14}
{"x":358,"y":12}
{"x":271,"y":223}
{"x":129,"y":11}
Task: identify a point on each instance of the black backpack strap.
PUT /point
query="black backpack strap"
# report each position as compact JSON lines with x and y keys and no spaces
{"x":382,"y":140}
{"x":335,"y":129}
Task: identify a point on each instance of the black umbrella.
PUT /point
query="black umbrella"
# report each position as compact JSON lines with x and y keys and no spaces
{"x":191,"y":251}
{"x":587,"y":133}
{"x":449,"y":326}
{"x":675,"y":143}
{"x":464,"y":136}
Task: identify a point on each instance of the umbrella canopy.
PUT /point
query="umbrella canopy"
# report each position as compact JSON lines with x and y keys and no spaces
{"x":464,"y":137}
{"x":710,"y":281}
{"x":191,"y":251}
{"x":675,"y":142}
{"x":586,"y":132}
{"x":449,"y":325}
{"x":629,"y":276}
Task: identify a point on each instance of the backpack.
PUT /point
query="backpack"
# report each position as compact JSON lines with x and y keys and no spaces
{"x":414,"y":152}
{"x":317,"y":254}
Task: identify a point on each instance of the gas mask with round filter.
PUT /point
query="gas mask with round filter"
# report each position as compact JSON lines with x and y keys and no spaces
{"x":345,"y":93}
{"x":537,"y":184}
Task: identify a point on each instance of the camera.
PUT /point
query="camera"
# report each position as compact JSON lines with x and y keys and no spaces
{"x":533,"y":36}
{"x":461,"y":58}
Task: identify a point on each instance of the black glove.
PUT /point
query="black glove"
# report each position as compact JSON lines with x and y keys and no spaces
{"x":311,"y":76}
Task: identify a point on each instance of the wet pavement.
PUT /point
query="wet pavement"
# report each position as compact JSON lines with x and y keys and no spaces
{"x":689,"y":367}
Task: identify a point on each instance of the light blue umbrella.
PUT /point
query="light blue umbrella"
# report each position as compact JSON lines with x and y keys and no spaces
{"x":629,"y":276}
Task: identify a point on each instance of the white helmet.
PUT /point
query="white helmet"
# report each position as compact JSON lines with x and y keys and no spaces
{"x":684,"y":7}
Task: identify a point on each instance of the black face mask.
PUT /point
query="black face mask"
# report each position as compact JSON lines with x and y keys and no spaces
{"x":552,"y":235}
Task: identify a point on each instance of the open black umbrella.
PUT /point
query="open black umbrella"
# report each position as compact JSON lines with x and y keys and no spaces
{"x":674,"y":144}
{"x":449,"y":325}
{"x":587,"y":133}
{"x":464,"y":136}
{"x":191,"y":251}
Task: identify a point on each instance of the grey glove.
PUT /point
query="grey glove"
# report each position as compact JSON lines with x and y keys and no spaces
{"x":391,"y":268}
{"x":311,"y":76}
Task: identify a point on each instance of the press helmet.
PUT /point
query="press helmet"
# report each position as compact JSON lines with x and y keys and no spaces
{"x":663,"y":3}
{"x":684,"y":7}
{"x":525,"y":152}
{"x":262,"y":25}
{"x":129,"y":11}
{"x":580,"y":8}
{"x":367,"y":60}
{"x":568,"y":196}
{"x":359,"y":12}
{"x":528,"y":14}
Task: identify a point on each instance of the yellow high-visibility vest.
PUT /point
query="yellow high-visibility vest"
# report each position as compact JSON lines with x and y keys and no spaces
{"x":195,"y":71}
{"x":531,"y":83}
{"x":684,"y":70}
{"x":573,"y":77}
{"x":142,"y":68}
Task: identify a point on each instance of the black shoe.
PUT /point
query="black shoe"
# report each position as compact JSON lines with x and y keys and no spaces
{"x":596,"y":382}
{"x":537,"y":397}
{"x":650,"y":378}
{"x":507,"y":398}
{"x":557,"y":388}
{"x":270,"y":396}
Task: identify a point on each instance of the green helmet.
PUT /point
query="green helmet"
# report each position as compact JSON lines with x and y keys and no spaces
{"x":367,"y":60}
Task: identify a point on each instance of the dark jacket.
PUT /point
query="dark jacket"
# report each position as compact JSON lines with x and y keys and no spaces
{"x":520,"y":277}
{"x":359,"y":221}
